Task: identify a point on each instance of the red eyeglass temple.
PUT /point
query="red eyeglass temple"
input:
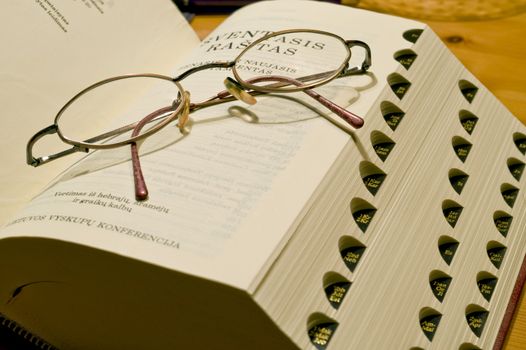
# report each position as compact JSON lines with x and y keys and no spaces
{"x":141,"y":190}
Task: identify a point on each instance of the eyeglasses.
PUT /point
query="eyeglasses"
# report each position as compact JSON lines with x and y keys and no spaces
{"x":125,"y":109}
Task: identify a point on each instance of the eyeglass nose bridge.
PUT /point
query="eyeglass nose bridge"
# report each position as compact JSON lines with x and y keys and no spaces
{"x":222,"y":64}
{"x":236,"y":90}
{"x":49,"y":130}
{"x":184,"y":116}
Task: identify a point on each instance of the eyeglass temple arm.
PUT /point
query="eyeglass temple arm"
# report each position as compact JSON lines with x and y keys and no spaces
{"x":53,"y":129}
{"x":49,"y":130}
{"x":351,"y":118}
{"x":366,"y":64}
{"x":141,"y":190}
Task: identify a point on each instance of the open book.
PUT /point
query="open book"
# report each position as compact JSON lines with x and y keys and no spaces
{"x":275,"y":226}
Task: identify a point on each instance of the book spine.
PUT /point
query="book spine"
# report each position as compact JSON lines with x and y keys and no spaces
{"x":511,"y":308}
{"x":19,"y":337}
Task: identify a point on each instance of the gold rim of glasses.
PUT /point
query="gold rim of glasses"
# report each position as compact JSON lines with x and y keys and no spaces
{"x":272,"y":87}
{"x":240,"y":88}
{"x":166,"y":117}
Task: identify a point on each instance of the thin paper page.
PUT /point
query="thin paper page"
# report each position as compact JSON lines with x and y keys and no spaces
{"x":223,"y":197}
{"x":51,"y":50}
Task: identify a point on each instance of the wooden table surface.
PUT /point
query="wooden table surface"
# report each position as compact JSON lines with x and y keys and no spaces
{"x":495,"y":52}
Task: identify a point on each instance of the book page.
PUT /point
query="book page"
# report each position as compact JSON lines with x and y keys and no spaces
{"x":51,"y":49}
{"x":224,"y":196}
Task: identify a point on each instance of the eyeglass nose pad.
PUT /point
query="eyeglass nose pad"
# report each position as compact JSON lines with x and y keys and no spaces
{"x":238,"y":92}
{"x":185,"y":112}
